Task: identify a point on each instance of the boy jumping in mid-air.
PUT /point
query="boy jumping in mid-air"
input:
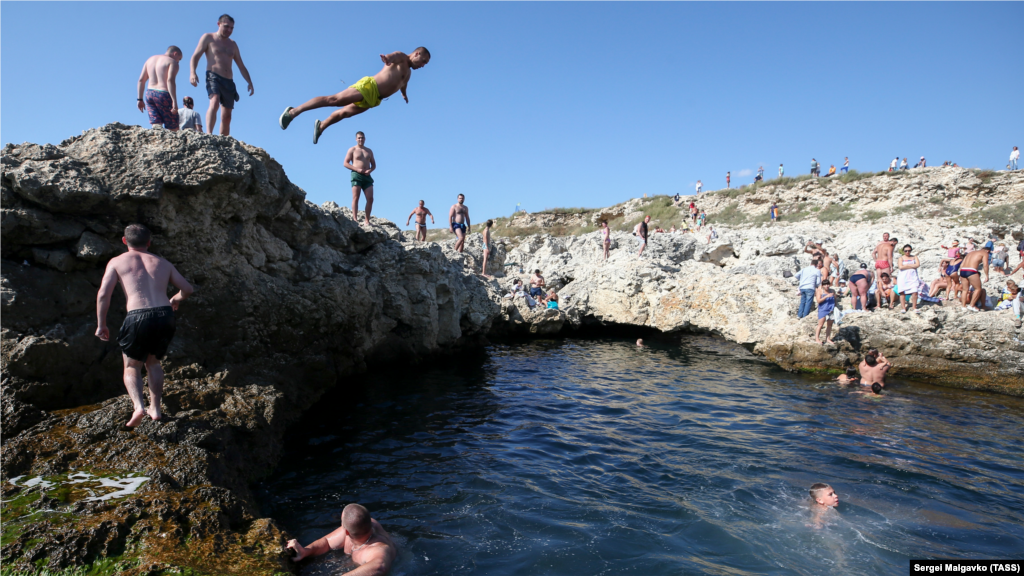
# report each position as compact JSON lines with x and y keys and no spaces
{"x":366,"y":93}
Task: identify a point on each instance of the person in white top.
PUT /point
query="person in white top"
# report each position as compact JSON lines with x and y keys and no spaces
{"x":846,"y":165}
{"x":189,"y":119}
{"x":1014,"y":156}
{"x":699,"y":185}
{"x":892,"y":165}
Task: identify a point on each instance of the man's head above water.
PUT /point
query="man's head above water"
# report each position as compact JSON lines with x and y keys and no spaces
{"x":356,"y":520}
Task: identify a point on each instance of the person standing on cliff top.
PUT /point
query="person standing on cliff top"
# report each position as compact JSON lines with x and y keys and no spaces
{"x":699,"y":186}
{"x":149,"y":326}
{"x":359,"y":159}
{"x":367,"y":93}
{"x":814,"y":167}
{"x":883,"y":254}
{"x":220,"y":51}
{"x":370,"y":545}
{"x":641,"y":234}
{"x":846,"y":165}
{"x":160,"y":96}
{"x":728,"y":179}
{"x":420,"y":212}
{"x":1014,"y":156}
{"x":970,"y":277}
{"x":782,"y":171}
{"x":488,"y":246}
{"x":458,"y":222}
{"x":606,"y":238}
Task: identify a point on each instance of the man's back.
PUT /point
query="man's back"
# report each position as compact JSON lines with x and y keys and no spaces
{"x":157,"y":67}
{"x":144,"y":277}
{"x":975,"y":260}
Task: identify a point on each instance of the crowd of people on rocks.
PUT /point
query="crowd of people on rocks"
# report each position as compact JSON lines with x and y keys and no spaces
{"x":892,"y":277}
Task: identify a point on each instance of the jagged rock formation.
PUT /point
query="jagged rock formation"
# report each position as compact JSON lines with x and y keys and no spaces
{"x":290,"y":297}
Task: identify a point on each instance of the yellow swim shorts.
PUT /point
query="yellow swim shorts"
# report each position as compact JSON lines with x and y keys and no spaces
{"x":367,"y":86}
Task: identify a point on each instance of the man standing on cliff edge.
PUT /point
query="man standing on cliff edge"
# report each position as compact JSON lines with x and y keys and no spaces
{"x":159,"y":97}
{"x":149,"y":326}
{"x":220,"y":52}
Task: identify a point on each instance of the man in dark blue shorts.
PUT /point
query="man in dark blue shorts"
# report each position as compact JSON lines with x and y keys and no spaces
{"x":149,"y":327}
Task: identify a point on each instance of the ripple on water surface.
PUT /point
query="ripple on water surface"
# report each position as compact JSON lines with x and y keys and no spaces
{"x":595,"y":456}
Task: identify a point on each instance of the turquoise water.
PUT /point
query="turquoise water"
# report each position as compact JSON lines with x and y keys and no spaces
{"x":596,"y":457}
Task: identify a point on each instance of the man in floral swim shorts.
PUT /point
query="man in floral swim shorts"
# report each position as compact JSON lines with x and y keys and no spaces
{"x":159,"y":98}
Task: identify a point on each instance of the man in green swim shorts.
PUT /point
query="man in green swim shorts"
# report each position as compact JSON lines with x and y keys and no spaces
{"x":359,"y":159}
{"x":366,"y":93}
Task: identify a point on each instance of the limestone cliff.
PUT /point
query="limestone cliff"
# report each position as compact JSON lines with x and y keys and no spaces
{"x":290,"y":298}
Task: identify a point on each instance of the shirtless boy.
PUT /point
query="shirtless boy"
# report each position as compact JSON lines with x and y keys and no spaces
{"x":971,"y":278}
{"x":883,"y":254}
{"x":149,"y":325}
{"x":487,"y":246}
{"x":873,"y":368}
{"x":823,"y":497}
{"x":359,"y":159}
{"x":160,"y":96}
{"x":220,"y":52}
{"x":366,"y":93}
{"x":420,"y":212}
{"x":363,"y":537}
{"x":458,"y":222}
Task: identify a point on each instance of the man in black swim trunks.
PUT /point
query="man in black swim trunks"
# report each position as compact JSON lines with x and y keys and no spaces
{"x":220,"y":51}
{"x":149,"y":326}
{"x":458,"y":221}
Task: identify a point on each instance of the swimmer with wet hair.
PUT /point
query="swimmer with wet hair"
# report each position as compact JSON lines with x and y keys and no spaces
{"x":361,"y":536}
{"x":823,"y":497}
{"x":639,"y":341}
{"x":850,"y":377}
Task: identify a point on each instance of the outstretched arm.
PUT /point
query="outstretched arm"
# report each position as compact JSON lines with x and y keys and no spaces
{"x":143,"y":78}
{"x":242,"y":68}
{"x":194,"y":61}
{"x":431,"y":216}
{"x":333,"y":541}
{"x":409,"y":219}
{"x":110,"y":279}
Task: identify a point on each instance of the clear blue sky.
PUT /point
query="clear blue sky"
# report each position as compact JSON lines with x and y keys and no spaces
{"x":553,"y":104}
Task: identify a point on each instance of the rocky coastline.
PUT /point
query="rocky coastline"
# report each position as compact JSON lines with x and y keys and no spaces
{"x":293,"y":298}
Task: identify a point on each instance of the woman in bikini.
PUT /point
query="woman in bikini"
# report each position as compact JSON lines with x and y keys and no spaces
{"x":859,"y":283}
{"x":884,"y":290}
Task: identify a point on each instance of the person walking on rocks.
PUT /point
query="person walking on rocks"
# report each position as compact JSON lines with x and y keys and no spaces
{"x":814,"y":167}
{"x":159,"y":95}
{"x":359,"y":159}
{"x":808,"y":279}
{"x":699,"y":186}
{"x":367,"y":93}
{"x":908,"y":280}
{"x":149,"y":326}
{"x":728,"y":179}
{"x":370,"y":545}
{"x":641,"y":234}
{"x":458,"y":222}
{"x":970,"y":277}
{"x":1014,"y":157}
{"x":421,"y":212}
{"x":606,"y":237}
{"x":220,"y":51}
{"x":693,"y":213}
{"x":825,"y":296}
{"x":883,"y":254}
{"x":773,"y":212}
{"x":189,"y":119}
{"x":846,"y":165}
{"x":487,"y":246}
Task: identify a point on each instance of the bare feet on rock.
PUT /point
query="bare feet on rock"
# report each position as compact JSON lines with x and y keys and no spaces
{"x":154,"y":413}
{"x":136,"y":418}
{"x":830,"y":341}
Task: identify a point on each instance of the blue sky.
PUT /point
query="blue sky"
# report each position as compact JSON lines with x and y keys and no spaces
{"x":553,"y":104}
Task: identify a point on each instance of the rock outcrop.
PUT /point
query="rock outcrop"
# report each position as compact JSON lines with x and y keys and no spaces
{"x":290,"y":298}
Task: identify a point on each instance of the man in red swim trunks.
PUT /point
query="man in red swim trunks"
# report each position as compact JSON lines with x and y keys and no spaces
{"x":159,"y":97}
{"x":883,"y":254}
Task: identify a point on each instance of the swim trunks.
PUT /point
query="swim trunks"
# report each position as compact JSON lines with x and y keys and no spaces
{"x":458,"y":225}
{"x":147,"y":331}
{"x":967,"y":272}
{"x":158,"y":104}
{"x":952,"y":269}
{"x":367,"y":86}
{"x":536,"y":292}
{"x":881,"y":264}
{"x":857,"y":278}
{"x":424,"y":225}
{"x":224,"y":87}
{"x":552,"y":305}
{"x":361,"y":180}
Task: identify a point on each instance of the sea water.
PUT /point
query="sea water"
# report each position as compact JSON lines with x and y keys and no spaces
{"x":592,"y":457}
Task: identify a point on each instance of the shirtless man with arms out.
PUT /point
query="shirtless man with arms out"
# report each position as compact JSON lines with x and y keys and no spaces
{"x":220,"y":52}
{"x":160,"y":96}
{"x":883,"y":254}
{"x":421,"y":212}
{"x":363,"y":537}
{"x":971,"y":277}
{"x":359,"y":159}
{"x":366,"y":93}
{"x":458,"y":219}
{"x":149,"y":325}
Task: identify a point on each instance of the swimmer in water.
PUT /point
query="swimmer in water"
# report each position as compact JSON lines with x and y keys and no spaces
{"x":363,"y":537}
{"x":823,"y":497}
{"x":851,"y":377}
{"x":639,"y":341}
{"x":876,"y":390}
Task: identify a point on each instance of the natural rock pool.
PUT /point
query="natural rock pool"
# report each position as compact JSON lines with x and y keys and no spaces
{"x":594,"y":456}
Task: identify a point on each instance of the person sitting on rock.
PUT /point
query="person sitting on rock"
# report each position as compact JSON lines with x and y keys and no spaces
{"x":1010,"y":295}
{"x":831,"y":170}
{"x":537,"y":285}
{"x":371,"y":546}
{"x":873,"y":368}
{"x":552,"y":300}
{"x":712,"y":236}
{"x":149,"y":326}
{"x":885,"y":290}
